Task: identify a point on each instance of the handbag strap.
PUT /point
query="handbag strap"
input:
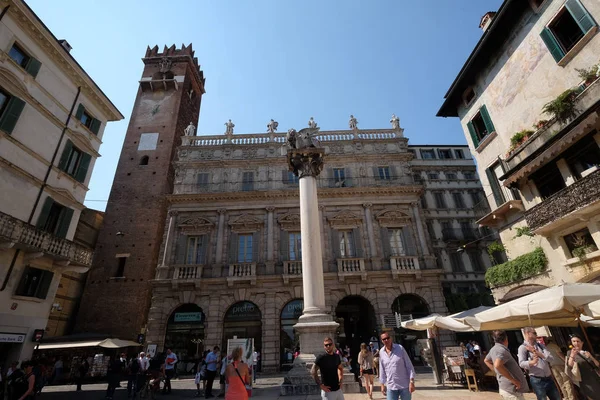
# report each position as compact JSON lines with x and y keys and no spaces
{"x":238,"y":374}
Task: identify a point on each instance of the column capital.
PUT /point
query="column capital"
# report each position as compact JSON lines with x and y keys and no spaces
{"x":173,"y":213}
{"x":367,"y":205}
{"x":221,"y":211}
{"x":306,"y":162}
{"x":270,"y":209}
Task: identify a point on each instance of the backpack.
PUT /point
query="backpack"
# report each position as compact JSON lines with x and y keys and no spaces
{"x":134,"y":366}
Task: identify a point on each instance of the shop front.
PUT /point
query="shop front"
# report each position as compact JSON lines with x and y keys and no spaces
{"x":289,"y":341}
{"x":185,"y":333}
{"x":410,"y":306}
{"x":243,"y":320}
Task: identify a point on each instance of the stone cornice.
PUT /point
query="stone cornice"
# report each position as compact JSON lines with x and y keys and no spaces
{"x":290,"y":194}
{"x":38,"y":32}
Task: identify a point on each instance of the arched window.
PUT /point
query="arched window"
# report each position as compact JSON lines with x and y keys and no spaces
{"x":144,"y":160}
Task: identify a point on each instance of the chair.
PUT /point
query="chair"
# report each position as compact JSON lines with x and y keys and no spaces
{"x":471,"y":379}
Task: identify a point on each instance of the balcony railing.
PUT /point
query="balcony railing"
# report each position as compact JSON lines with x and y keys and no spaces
{"x":574,"y":197}
{"x":402,"y":265}
{"x":351,"y":267}
{"x":242,"y":272}
{"x":292,"y":269}
{"x":19,"y":234}
{"x":187,"y":272}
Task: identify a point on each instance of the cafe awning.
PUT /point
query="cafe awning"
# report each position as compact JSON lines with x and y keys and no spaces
{"x":110,"y":343}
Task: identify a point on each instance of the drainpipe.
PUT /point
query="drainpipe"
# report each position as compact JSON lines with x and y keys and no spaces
{"x":44,"y":183}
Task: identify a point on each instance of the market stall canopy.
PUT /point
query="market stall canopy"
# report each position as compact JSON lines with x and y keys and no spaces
{"x":461,"y":316}
{"x":436,"y":320}
{"x":117,"y":343}
{"x":106,"y":343}
{"x":560,"y":305}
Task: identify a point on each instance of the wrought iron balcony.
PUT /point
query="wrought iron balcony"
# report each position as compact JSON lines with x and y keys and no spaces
{"x":18,"y":234}
{"x":240,"y":272}
{"x":351,"y":267}
{"x":292,"y":269}
{"x":403,"y":265}
{"x":575,"y":197}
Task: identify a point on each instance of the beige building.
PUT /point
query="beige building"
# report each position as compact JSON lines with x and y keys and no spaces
{"x":52,"y":118}
{"x":231,"y":265}
{"x":528,"y":100}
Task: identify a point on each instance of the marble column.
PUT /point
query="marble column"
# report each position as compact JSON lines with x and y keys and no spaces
{"x":420,"y":232}
{"x":218,"y":268}
{"x":375,"y":261}
{"x":270,"y":264}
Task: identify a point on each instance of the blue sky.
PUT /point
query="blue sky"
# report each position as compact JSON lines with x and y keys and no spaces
{"x":284,"y":59}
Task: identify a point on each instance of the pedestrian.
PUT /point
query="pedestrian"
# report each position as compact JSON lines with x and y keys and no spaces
{"x":212,"y":361}
{"x":113,"y":376}
{"x":156,"y":371}
{"x":82,"y":370}
{"x":535,"y":358}
{"x":476,"y":347}
{"x":142,"y":375}
{"x":365,"y":364}
{"x":201,"y":374}
{"x":225,"y":360}
{"x":133,"y":369}
{"x":23,"y":382}
{"x":332,"y":372}
{"x":170,"y":362}
{"x":511,"y":380}
{"x":583,"y":368}
{"x":58,"y":370}
{"x":255,"y":356}
{"x":558,"y":369}
{"x":396,"y":372}
{"x":237,"y":376}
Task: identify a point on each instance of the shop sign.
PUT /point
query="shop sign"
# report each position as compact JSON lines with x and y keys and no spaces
{"x":243,"y":311}
{"x":293,"y":309}
{"x":12,"y":337}
{"x":188,"y":317}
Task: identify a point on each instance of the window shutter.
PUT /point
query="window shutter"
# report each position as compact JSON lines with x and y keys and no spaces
{"x":79,"y":112}
{"x":489,"y":126}
{"x":255,"y":246}
{"x":285,"y":176}
{"x":552,"y":44}
{"x":376,"y":173}
{"x":335,"y":243}
{"x":33,"y":67}
{"x":44,"y":213}
{"x":181,"y":249}
{"x":95,"y":126}
{"x":83,"y":167}
{"x":348,"y":177}
{"x":44,"y":285}
{"x":11,"y":115}
{"x":65,"y":221}
{"x":580,"y":14}
{"x":284,"y":249}
{"x":233,"y":247}
{"x":409,"y":244}
{"x":330,"y":177}
{"x":358,"y":243}
{"x":385,"y":240}
{"x":474,"y":137}
{"x":64,"y":158}
{"x":498,"y":196}
{"x":393,"y":172}
{"x":203,"y":250}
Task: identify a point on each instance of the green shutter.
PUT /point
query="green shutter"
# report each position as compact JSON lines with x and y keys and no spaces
{"x":95,"y":126}
{"x":44,"y":213}
{"x":335,"y":243}
{"x":233,"y":247}
{"x":358,"y":243}
{"x":552,"y":44}
{"x":44,"y":285}
{"x":495,"y":186}
{"x":409,"y":244}
{"x":385,"y":241}
{"x":64,"y":222}
{"x":376,"y":173}
{"x":64,"y":158}
{"x":80,"y":111}
{"x":10,"y":116}
{"x":489,"y":126}
{"x":580,"y":14}
{"x":255,"y":247}
{"x":82,"y":169}
{"x":33,"y":67}
{"x":473,"y":134}
{"x":181,"y":249}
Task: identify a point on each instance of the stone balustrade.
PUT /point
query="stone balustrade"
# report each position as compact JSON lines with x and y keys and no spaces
{"x":242,"y":272}
{"x":292,"y":269}
{"x":18,"y":234}
{"x":187,"y":272}
{"x":402,"y":265}
{"x":351,"y":267}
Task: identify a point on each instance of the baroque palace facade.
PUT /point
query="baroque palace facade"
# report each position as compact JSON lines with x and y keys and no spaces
{"x":201,"y":238}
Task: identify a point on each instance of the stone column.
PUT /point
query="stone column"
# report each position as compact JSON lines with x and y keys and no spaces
{"x":322,"y":220}
{"x":270,"y":264}
{"x":420,"y":233}
{"x":369,"y":218}
{"x":220,"y":229}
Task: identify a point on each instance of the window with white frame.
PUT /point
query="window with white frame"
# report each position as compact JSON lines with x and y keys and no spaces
{"x":384,"y":173}
{"x":339,"y":177}
{"x":428,"y":154}
{"x":295,"y":246}
{"x":397,"y":242}
{"x":196,"y":250}
{"x":347,"y":249}
{"x":245,"y":248}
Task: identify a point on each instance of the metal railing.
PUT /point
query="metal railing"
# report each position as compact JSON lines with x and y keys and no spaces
{"x":33,"y":239}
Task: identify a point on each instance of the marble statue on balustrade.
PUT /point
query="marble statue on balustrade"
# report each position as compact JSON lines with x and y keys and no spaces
{"x":229,"y":127}
{"x":312,"y":123}
{"x":190,"y":130}
{"x":272,"y":126}
{"x":395,"y":121}
{"x":353,"y":123}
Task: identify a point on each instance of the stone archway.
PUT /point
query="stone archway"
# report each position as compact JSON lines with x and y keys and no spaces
{"x":358,"y":323}
{"x":186,"y":323}
{"x":244,"y":320}
{"x":410,"y":306}
{"x":288,"y":340}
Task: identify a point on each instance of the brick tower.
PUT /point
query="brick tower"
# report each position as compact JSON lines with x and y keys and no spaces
{"x":117,"y":293}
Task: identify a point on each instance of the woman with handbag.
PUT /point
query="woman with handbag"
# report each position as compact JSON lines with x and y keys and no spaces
{"x":365,"y":362}
{"x":583,"y":369}
{"x":237,"y":376}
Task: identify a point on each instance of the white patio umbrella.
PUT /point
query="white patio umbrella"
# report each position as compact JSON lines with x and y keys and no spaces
{"x":436,"y":320}
{"x":559,"y":305}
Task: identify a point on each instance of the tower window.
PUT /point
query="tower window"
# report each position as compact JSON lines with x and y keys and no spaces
{"x":144,"y":160}
{"x":120,"y":271}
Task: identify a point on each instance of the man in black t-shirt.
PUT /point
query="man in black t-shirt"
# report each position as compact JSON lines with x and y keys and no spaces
{"x":332,"y":372}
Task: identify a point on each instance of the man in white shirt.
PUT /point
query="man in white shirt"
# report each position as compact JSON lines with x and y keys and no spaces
{"x":144,"y":363}
{"x":255,"y":356}
{"x":170,"y":362}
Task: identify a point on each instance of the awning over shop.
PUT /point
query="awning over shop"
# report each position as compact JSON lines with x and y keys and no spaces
{"x":106,"y":343}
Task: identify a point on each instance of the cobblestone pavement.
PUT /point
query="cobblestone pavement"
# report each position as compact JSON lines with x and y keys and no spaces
{"x":267,"y":387}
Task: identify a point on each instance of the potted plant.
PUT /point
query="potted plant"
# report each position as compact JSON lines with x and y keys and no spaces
{"x":518,"y":138}
{"x":563,"y":107}
{"x":540,"y":124}
{"x":588,"y":75}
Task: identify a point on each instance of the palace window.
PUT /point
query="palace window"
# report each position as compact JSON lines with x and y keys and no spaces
{"x":74,"y":162}
{"x":458,"y":200}
{"x":55,"y":218}
{"x":10,"y":111}
{"x":87,"y":120}
{"x":30,"y":64}
{"x":428,"y":154}
{"x":384,"y":173}
{"x":244,"y":248}
{"x":440,"y":201}
{"x":34,"y":282}
{"x":397,"y":242}
{"x":459,"y":154}
{"x":445,"y":154}
{"x":295,"y":246}
{"x":247,"y":181}
{"x":196,"y":250}
{"x":480,"y":126}
{"x":347,"y":248}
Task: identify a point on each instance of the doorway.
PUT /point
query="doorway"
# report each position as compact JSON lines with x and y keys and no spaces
{"x":244,"y":320}
{"x":410,"y":306}
{"x":358,"y":324}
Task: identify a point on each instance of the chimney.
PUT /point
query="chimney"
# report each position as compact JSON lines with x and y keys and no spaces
{"x":65,"y":44}
{"x":486,"y":20}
